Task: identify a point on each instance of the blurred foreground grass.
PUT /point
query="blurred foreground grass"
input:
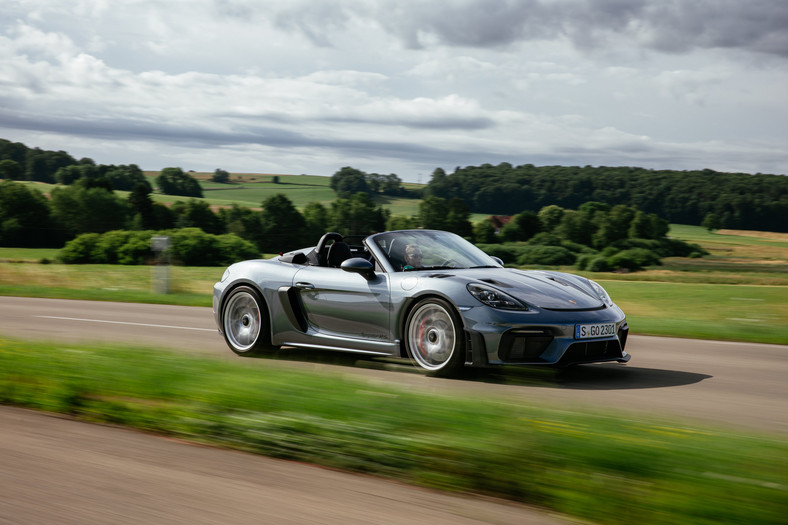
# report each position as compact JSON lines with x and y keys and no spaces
{"x":607,"y":468}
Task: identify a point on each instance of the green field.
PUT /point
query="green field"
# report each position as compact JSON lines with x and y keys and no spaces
{"x":250,"y":190}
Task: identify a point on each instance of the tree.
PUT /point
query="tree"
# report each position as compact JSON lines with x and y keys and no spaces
{"x":401,"y":223}
{"x":484,"y":232}
{"x":550,"y":217}
{"x":173,"y":181}
{"x":25,"y":217}
{"x":711,"y":222}
{"x":357,"y":216}
{"x":522,"y":227}
{"x":243,"y":222}
{"x":85,"y":210}
{"x":41,"y":165}
{"x":457,"y":218}
{"x":577,"y":227}
{"x":613,"y":225}
{"x":316,"y":218}
{"x":197,"y":214}
{"x":15,"y":151}
{"x":11,"y":170}
{"x":220,"y":176}
{"x":349,"y":181}
{"x":282,"y":225}
{"x":141,"y":205}
{"x":126,"y":177}
{"x":391,"y":185}
{"x":68,"y":175}
{"x":433,"y":212}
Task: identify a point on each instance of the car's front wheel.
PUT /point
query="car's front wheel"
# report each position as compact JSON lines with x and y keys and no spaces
{"x":434,"y":337}
{"x":245,"y":321}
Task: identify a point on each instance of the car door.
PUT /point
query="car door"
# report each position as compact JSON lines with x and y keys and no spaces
{"x":345,"y":307}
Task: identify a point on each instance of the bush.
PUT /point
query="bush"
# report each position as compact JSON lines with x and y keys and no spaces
{"x":663,"y":247}
{"x":188,"y":246}
{"x":505,"y":252}
{"x":106,"y":249}
{"x":545,"y":239}
{"x":584,"y":261}
{"x":137,"y":249}
{"x":633,"y":259}
{"x":546,"y":255}
{"x":598,"y":264}
{"x":234,"y":248}
{"x":80,"y":249}
{"x":576,"y":247}
{"x":193,"y":247}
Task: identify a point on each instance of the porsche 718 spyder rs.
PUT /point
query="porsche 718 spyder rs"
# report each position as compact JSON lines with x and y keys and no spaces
{"x":427,"y":295}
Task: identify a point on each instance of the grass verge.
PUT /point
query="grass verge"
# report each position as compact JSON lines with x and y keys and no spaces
{"x":601,"y":467}
{"x":757,"y":314}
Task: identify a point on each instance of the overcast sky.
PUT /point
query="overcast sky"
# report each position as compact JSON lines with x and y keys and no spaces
{"x":399,"y":86}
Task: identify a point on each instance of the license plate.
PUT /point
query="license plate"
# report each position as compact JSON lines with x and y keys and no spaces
{"x":589,"y":331}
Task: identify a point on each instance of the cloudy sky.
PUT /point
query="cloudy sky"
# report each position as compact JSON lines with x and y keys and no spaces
{"x":399,"y":86}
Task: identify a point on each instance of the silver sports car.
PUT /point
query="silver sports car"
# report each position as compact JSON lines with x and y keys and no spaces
{"x":426,"y":295}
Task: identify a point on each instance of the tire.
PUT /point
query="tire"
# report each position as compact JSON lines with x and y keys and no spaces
{"x":245,"y":322}
{"x":434,"y":337}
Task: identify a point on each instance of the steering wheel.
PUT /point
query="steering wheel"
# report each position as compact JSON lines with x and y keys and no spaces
{"x":321,"y":245}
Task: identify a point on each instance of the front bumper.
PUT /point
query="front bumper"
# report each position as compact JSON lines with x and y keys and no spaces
{"x":541,"y":337}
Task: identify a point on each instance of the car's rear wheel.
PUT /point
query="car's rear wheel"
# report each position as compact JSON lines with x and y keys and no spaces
{"x":434,"y":337}
{"x":245,"y":321}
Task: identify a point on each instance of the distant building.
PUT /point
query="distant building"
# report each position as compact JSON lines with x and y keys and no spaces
{"x":499,"y":221}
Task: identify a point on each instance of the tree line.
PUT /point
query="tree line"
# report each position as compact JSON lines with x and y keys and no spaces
{"x":30,"y":219}
{"x":732,"y":200}
{"x":87,"y":214}
{"x":18,"y":162}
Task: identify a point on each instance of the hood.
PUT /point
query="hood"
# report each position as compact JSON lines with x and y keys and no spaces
{"x":548,"y":290}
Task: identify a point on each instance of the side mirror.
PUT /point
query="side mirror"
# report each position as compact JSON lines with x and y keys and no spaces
{"x":360,"y":266}
{"x":496,"y":259}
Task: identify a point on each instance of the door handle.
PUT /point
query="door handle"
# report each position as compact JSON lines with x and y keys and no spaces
{"x":305,"y":286}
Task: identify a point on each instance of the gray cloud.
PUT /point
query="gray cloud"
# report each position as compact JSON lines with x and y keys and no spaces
{"x":399,"y":86}
{"x":168,"y":134}
{"x":662,"y":25}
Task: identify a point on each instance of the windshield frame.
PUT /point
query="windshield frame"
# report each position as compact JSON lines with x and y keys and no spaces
{"x":438,"y":247}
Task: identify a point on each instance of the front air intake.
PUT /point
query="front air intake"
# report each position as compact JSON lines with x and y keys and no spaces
{"x":524,"y":346}
{"x":590,"y":351}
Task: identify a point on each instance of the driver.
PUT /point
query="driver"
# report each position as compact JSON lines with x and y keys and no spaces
{"x":413,"y":257}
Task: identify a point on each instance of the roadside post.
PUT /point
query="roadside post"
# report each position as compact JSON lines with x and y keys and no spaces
{"x":161,"y":267}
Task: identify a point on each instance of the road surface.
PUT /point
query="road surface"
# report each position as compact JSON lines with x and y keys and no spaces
{"x":722,"y":383}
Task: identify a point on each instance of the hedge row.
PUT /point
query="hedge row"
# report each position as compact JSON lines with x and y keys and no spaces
{"x":628,"y":254}
{"x":188,"y":247}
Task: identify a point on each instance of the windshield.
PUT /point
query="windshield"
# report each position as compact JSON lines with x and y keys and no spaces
{"x":429,"y":250}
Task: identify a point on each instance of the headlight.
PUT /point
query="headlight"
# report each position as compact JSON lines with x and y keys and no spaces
{"x":601,"y":293}
{"x":495,"y":298}
{"x":226,"y":275}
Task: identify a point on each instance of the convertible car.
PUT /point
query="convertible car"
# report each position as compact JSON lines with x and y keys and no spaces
{"x":427,"y":295}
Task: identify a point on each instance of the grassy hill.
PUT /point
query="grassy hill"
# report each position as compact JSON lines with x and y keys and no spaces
{"x":251,"y":189}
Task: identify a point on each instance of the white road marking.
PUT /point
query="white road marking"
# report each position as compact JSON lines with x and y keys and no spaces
{"x":126,"y":323}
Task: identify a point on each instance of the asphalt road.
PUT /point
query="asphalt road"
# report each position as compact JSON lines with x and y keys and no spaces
{"x":53,"y":470}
